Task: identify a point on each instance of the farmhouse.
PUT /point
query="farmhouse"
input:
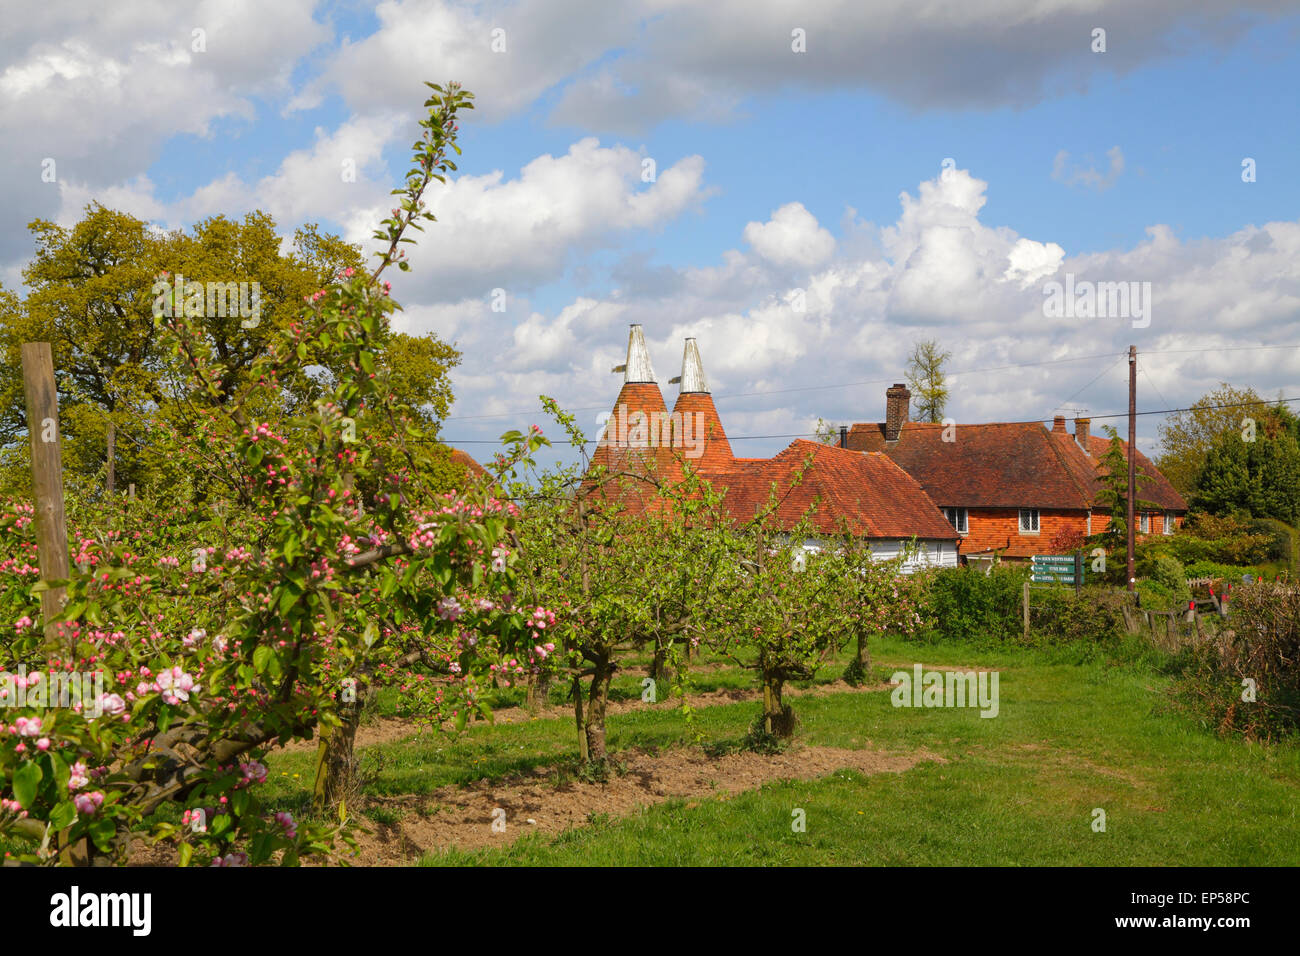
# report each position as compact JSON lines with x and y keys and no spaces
{"x":1013,"y":488}
{"x":868,"y":494}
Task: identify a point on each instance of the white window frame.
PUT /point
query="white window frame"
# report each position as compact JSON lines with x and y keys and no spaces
{"x":1169,"y":523}
{"x":959,"y":518}
{"x":1144,"y":523}
{"x":1037,"y":520}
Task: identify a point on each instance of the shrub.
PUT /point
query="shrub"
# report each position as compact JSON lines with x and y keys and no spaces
{"x":1281,"y":539}
{"x":1169,"y":573}
{"x":1263,"y":649}
{"x":1059,"y":616}
{"x":1158,"y":597}
{"x":966,"y":604}
{"x":1228,"y":539}
{"x":1228,"y":573}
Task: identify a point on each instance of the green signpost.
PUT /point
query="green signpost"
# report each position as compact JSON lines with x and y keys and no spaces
{"x":1057,"y":569}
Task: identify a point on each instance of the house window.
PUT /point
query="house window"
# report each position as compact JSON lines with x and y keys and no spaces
{"x":1144,"y":524}
{"x":957,"y":518}
{"x":1169,"y":522}
{"x":1029,"y":521}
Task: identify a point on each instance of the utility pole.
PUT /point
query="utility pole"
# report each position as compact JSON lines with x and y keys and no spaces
{"x":1132,"y":459}
{"x":47,"y":476}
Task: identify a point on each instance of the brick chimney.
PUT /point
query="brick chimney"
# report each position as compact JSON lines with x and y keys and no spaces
{"x":897,"y":398}
{"x":1082,"y":429}
{"x":1058,"y":424}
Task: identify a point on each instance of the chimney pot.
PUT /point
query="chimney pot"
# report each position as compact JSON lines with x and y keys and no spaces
{"x":897,"y":398}
{"x":844,"y":436}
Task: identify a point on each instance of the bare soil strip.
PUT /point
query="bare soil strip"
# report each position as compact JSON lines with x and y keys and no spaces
{"x":462,"y":817}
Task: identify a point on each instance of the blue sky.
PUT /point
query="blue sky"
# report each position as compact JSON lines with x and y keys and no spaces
{"x":776,"y":171}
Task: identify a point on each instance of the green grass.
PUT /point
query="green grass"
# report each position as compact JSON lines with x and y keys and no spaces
{"x":1018,"y":789}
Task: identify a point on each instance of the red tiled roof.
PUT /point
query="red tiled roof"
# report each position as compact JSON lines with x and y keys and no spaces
{"x":869,"y":493}
{"x":473,"y":469}
{"x":1155,"y":489}
{"x":1006,"y":465}
{"x":998,"y":465}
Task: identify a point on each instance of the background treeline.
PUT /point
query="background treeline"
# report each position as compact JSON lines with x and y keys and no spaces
{"x":91,"y":295}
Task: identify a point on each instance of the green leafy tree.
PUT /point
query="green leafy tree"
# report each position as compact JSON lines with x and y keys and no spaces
{"x":1187,"y":437}
{"x":928,"y":380}
{"x":1260,"y":478}
{"x":94,"y":290}
{"x":782,"y":614}
{"x":628,"y":561}
{"x":220,"y":633}
{"x":1113,"y":495}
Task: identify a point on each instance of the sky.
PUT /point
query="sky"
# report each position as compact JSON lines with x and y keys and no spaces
{"x":809,"y":188}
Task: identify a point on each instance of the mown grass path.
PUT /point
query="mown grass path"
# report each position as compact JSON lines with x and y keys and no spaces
{"x":1018,"y":789}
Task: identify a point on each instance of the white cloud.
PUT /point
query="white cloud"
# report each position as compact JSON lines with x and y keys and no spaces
{"x":937,"y":272}
{"x":1030,"y":261}
{"x":436,"y":41}
{"x":493,"y":232}
{"x":791,"y":237}
{"x":99,"y":88}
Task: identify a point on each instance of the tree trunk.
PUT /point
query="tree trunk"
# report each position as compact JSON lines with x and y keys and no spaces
{"x":539,"y":688}
{"x":336,"y":762}
{"x":660,"y":670}
{"x":580,"y":720}
{"x":597,"y":698}
{"x":778,"y":717}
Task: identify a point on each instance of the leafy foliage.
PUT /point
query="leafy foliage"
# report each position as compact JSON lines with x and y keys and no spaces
{"x":1258,"y":658}
{"x":1187,"y":437}
{"x":928,"y":380}
{"x":1260,"y":477}
{"x":320,"y":561}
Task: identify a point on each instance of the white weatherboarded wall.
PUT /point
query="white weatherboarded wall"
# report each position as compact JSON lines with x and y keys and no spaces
{"x":929,"y":554}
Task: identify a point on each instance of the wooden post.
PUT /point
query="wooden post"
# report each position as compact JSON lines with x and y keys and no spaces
{"x":47,"y":475}
{"x":112,"y":464}
{"x":1131,"y":574}
{"x":1026,"y":608}
{"x":130,"y":491}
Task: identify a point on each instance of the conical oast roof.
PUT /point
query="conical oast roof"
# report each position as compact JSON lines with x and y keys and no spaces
{"x":703,"y":444}
{"x":634,"y":443}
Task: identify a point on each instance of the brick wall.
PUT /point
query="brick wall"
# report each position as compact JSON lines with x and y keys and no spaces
{"x":1100,"y":520}
{"x":1000,"y":528}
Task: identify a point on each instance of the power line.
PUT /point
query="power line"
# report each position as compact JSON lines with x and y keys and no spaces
{"x":1031,"y":421}
{"x":807,"y":388}
{"x":1104,"y":371}
{"x":885,"y":381}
